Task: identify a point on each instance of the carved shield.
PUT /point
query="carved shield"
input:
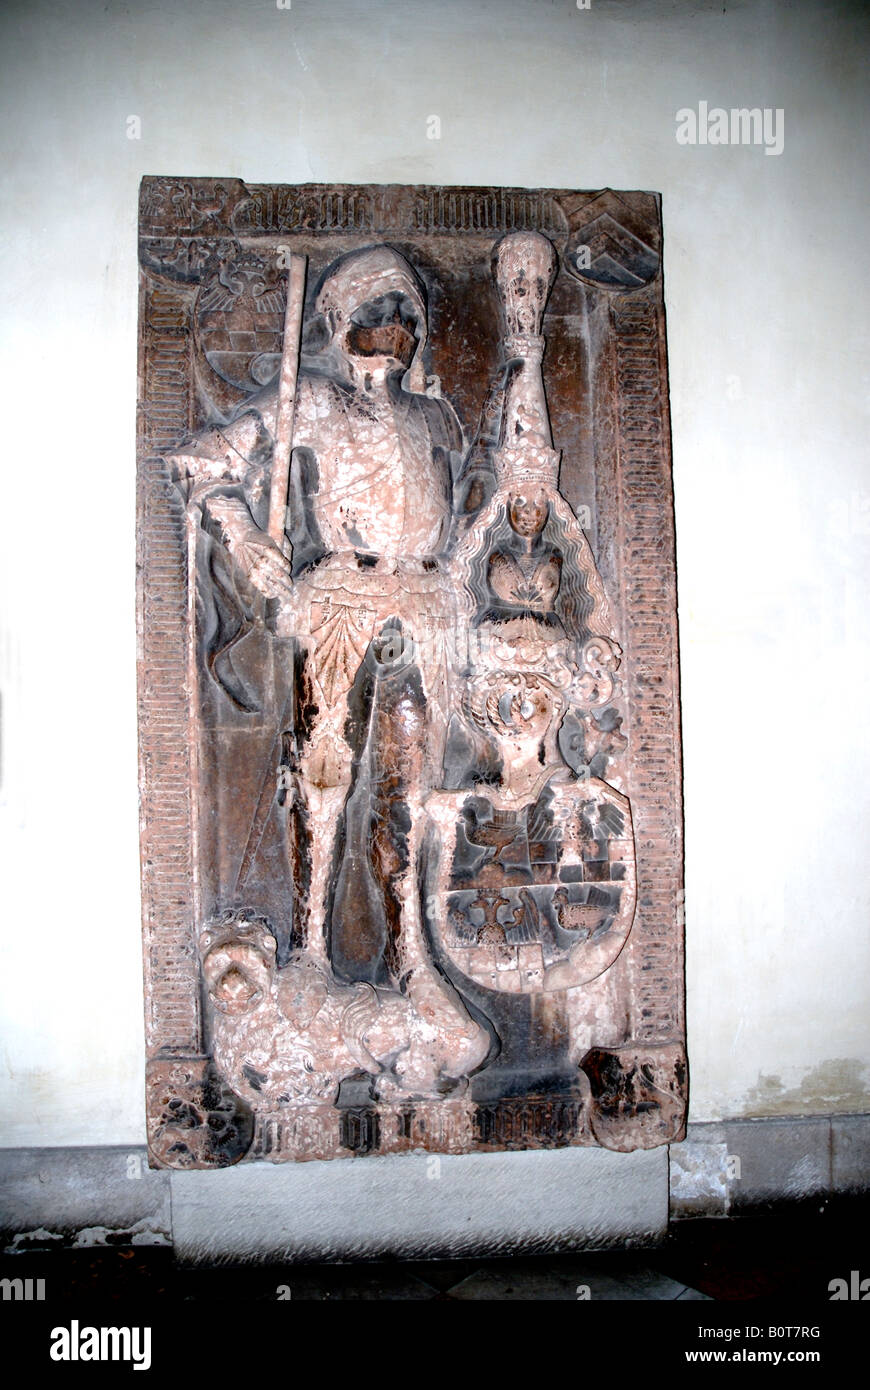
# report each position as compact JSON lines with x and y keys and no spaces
{"x":538,"y":898}
{"x":239,"y":321}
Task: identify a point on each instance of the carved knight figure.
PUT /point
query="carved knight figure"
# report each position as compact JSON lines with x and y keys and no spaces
{"x":422,"y":631}
{"x":393,"y":763}
{"x":361,"y":585}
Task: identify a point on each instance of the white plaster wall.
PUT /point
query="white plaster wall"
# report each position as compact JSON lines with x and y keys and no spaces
{"x":765,"y":270}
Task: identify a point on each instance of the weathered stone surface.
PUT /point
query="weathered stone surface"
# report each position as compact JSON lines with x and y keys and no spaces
{"x":81,"y":1198}
{"x":422,"y":1206}
{"x":411,"y":835}
{"x":780,"y":1161}
{"x":739,"y":1166}
{"x":700,"y":1179}
{"x":850,"y":1153}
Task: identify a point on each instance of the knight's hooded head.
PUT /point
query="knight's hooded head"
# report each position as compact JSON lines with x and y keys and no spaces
{"x":370,"y":315}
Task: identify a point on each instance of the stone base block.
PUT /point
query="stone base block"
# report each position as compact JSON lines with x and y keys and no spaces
{"x":422,"y":1206}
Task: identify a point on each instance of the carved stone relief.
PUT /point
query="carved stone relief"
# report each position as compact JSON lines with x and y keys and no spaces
{"x":411,"y":824}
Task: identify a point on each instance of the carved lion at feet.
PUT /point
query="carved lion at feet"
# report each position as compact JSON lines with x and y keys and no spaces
{"x":290,"y":1035}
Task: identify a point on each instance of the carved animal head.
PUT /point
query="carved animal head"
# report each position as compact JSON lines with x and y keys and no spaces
{"x":238,"y":962}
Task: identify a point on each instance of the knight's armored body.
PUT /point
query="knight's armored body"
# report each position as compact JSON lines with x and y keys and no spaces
{"x":360,"y":584}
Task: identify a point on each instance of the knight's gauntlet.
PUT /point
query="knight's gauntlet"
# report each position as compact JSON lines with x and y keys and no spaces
{"x":228,"y":518}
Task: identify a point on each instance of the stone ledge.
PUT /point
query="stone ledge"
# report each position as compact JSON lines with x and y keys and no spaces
{"x":414,"y":1206}
{"x":506,"y":1203}
{"x":730,"y":1167}
{"x":81,"y":1197}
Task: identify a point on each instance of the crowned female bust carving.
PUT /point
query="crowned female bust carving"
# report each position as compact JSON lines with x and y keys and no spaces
{"x":525,"y":575}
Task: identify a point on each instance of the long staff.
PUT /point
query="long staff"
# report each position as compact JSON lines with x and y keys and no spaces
{"x":286,"y":416}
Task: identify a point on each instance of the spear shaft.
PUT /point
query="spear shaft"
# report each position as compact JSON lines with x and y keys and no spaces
{"x":285,"y":418}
